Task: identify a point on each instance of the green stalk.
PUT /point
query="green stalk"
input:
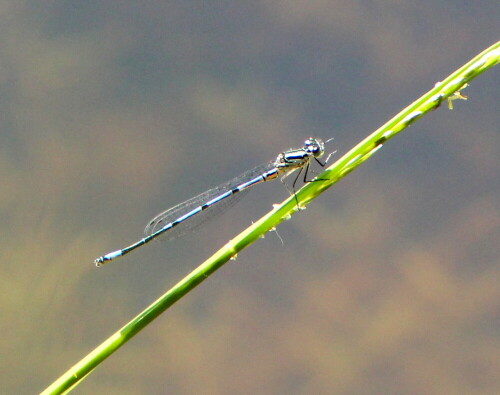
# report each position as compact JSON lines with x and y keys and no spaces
{"x":448,"y":89}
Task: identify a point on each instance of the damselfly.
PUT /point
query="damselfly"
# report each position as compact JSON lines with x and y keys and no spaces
{"x":190,"y":214}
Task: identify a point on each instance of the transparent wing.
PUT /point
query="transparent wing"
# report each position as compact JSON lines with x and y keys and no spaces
{"x":191,"y":223}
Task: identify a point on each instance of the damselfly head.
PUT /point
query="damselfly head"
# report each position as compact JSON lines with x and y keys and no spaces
{"x":315,"y":147}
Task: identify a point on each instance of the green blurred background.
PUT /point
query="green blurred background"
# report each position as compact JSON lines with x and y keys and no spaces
{"x":114,"y":111}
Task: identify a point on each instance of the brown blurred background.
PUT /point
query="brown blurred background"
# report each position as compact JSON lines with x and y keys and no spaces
{"x":114,"y":111}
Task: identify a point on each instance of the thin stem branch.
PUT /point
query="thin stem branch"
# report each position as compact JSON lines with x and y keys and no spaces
{"x":449,"y":88}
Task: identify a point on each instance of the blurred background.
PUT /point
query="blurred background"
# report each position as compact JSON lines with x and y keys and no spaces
{"x":114,"y":111}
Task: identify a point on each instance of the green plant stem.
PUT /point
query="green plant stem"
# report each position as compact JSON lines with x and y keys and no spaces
{"x":352,"y":159}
